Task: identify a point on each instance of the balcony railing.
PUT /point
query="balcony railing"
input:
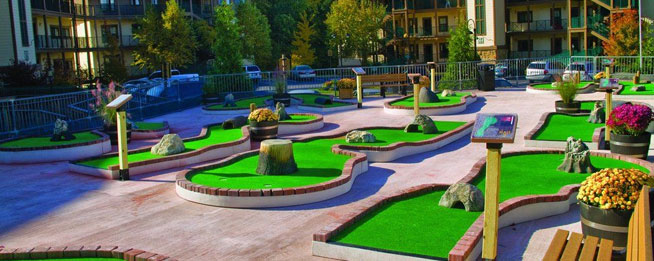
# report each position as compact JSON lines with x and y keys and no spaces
{"x":428,"y":4}
{"x":596,"y":23}
{"x":538,"y":26}
{"x":68,"y":42}
{"x":449,"y":4}
{"x":422,"y":31}
{"x":529,"y":54}
{"x":577,"y":22}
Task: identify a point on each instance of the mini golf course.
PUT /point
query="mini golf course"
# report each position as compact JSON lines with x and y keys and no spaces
{"x":74,"y":259}
{"x":418,"y":226}
{"x":548,"y":86}
{"x":627,"y":85}
{"x":300,"y":118}
{"x":558,"y":127}
{"x":38,"y":142}
{"x":443,"y":101}
{"x":307,"y":99}
{"x":142,"y":125}
{"x":445,"y":106}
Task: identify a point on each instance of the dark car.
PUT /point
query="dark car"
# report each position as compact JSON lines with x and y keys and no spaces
{"x":303,"y":72}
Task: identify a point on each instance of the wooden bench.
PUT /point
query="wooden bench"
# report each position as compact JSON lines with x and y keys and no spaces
{"x":385,"y":80}
{"x":639,"y":244}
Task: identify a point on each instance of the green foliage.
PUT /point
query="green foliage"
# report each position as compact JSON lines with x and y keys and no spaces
{"x":282,"y":16}
{"x":255,"y":32}
{"x":318,"y":9}
{"x":303,"y":53}
{"x":461,"y":49}
{"x":113,"y":68}
{"x":227,"y":45}
{"x":205,"y":36}
{"x":648,"y":39}
{"x":567,"y":90}
{"x":355,"y":25}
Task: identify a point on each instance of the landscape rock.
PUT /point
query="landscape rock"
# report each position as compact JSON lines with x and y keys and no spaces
{"x":357,"y":136}
{"x":236,"y":122}
{"x":60,"y":131}
{"x":426,"y":95}
{"x":168,"y":145}
{"x":577,"y":157}
{"x":229,"y":101}
{"x":638,"y":88}
{"x":597,"y":115}
{"x":448,"y":93}
{"x":280,"y":110}
{"x":427,"y":124}
{"x":322,"y":101}
{"x":470,"y":196}
{"x":556,"y":85}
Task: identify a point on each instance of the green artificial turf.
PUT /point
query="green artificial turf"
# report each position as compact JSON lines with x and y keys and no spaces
{"x":308,"y":99}
{"x":316,"y":163}
{"x":649,"y":88}
{"x":549,"y":85}
{"x":587,"y":105}
{"x":33,"y":142}
{"x":558,"y":127}
{"x":300,"y":118}
{"x":216,"y":135}
{"x":419,"y":226}
{"x":443,"y":101}
{"x":142,"y":125}
{"x":73,"y":259}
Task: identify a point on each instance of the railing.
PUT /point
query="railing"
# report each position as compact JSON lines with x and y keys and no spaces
{"x":68,"y":42}
{"x":427,"y":4}
{"x":449,"y":4}
{"x":539,"y":26}
{"x":577,"y":22}
{"x":596,"y":23}
{"x":529,"y":54}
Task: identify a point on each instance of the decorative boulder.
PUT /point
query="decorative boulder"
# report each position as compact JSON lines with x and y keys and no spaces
{"x":426,"y":96}
{"x":229,"y":101}
{"x":448,"y":93}
{"x":556,"y":85}
{"x":470,"y":196}
{"x":357,"y":136}
{"x":577,"y":157}
{"x":322,"y":101}
{"x":236,"y":122}
{"x":168,"y":145}
{"x":276,"y":157}
{"x":638,"y":88}
{"x":427,"y":124}
{"x":597,"y":115}
{"x":636,"y":79}
{"x":60,"y":131}
{"x":280,"y":110}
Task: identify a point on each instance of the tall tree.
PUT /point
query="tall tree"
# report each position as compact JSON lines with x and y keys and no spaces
{"x":303,"y":53}
{"x":256,"y":35}
{"x":227,"y":45}
{"x":113,"y":69}
{"x":623,"y":39}
{"x":167,"y":41}
{"x":283,"y":16}
{"x":648,"y":38}
{"x":318,"y":9}
{"x":460,"y":45}
{"x":205,"y":36}
{"x":355,"y":25}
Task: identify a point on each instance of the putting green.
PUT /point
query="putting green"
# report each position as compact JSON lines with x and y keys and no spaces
{"x":142,"y":125}
{"x":215,"y":135}
{"x":558,"y":127}
{"x":587,"y":105}
{"x":73,"y":259}
{"x":307,"y":99}
{"x":300,"y":118}
{"x":649,"y":88}
{"x":419,"y":226}
{"x":316,"y":163}
{"x":548,"y":86}
{"x":443,"y":101}
{"x":35,"y":142}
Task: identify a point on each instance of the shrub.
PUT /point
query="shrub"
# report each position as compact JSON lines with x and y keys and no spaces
{"x":629,"y":119}
{"x":264,"y":114}
{"x":346,"y":83}
{"x":21,"y":74}
{"x":102,"y":98}
{"x":613,"y":188}
{"x":567,"y":90}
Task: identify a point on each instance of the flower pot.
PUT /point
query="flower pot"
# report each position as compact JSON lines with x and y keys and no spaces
{"x":572,"y":107}
{"x":112,"y":132}
{"x":345,"y":93}
{"x":634,"y":146}
{"x":611,"y":224}
{"x":284,"y":98}
{"x":263,"y":130}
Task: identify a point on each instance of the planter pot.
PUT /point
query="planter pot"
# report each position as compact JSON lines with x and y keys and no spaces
{"x":284,"y":98}
{"x":634,"y":146}
{"x":112,"y":132}
{"x":210,"y":99}
{"x":572,"y":107}
{"x":605,"y":223}
{"x":345,"y":93}
{"x":263,"y":130}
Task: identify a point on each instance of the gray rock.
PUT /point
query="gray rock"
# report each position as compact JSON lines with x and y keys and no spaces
{"x":470,"y":196}
{"x":60,"y":127}
{"x":280,"y":110}
{"x":577,"y":157}
{"x":426,"y":95}
{"x":427,"y":124}
{"x":236,"y":122}
{"x":357,"y":136}
{"x":229,"y":101}
{"x":168,"y":145}
{"x":638,"y":88}
{"x":448,"y":93}
{"x":597,"y":115}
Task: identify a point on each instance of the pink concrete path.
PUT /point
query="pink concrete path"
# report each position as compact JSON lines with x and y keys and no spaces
{"x":44,"y":204}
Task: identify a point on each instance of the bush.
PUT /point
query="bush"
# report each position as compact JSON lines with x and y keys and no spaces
{"x":22,"y":74}
{"x":346,"y":83}
{"x":567,"y":90}
{"x":630,"y":119}
{"x":613,"y":188}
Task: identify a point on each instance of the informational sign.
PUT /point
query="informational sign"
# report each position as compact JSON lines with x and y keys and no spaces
{"x":358,"y":71}
{"x":494,"y":128}
{"x":609,"y":83}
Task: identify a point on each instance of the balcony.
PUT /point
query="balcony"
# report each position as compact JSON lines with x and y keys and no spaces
{"x":596,"y":23}
{"x":450,"y":4}
{"x":528,"y":54}
{"x":577,"y":22}
{"x":538,"y":26}
{"x":68,"y":42}
{"x":53,"y":6}
{"x":427,"y":4}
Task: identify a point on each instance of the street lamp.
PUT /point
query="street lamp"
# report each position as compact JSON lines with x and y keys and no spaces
{"x":474,"y":32}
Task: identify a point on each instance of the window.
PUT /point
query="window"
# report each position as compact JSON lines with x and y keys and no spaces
{"x":23,"y":23}
{"x":443,"y":52}
{"x":525,"y":45}
{"x":525,"y":16}
{"x":480,"y":17}
{"x":443,"y":25}
{"x":135,"y":2}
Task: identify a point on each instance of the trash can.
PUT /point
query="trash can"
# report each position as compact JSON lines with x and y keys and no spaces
{"x":486,"y":77}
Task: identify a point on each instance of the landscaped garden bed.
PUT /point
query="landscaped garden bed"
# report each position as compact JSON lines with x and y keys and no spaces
{"x":625,"y":89}
{"x":42,"y":149}
{"x":327,"y":167}
{"x":149,"y":130}
{"x":305,"y":102}
{"x":412,"y":224}
{"x":446,"y":105}
{"x":79,"y":253}
{"x":584,"y":87}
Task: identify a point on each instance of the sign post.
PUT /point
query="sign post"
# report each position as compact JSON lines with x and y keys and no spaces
{"x":119,"y":105}
{"x":432,"y":75}
{"x":359,"y":72}
{"x":415,"y":79}
{"x":494,"y":130}
{"x":608,"y":86}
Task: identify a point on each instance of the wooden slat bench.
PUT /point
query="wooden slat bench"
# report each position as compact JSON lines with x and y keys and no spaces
{"x":639,"y":244}
{"x":382,"y":81}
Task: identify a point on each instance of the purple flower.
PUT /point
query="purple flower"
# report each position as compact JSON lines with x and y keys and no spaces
{"x":631,"y":119}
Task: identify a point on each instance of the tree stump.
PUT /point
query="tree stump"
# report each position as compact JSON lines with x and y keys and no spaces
{"x":276,"y":157}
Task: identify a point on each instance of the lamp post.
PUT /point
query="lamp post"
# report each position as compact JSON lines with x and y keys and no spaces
{"x":474,"y":32}
{"x":640,"y":33}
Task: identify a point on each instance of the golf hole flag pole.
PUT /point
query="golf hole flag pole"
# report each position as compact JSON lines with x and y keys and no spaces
{"x":494,"y":130}
{"x":415,"y":80}
{"x":359,"y":72}
{"x":119,"y":105}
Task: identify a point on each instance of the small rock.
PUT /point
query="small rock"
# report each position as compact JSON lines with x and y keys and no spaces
{"x":427,"y":124}
{"x":236,"y":122}
{"x":280,"y":110}
{"x":322,"y":100}
{"x":60,"y":131}
{"x":357,"y":136}
{"x":470,"y":196}
{"x":229,"y":101}
{"x":577,"y":157}
{"x":426,"y":96}
{"x":556,"y":85}
{"x":597,"y":115}
{"x":638,"y":88}
{"x":448,"y":93}
{"x":168,"y":145}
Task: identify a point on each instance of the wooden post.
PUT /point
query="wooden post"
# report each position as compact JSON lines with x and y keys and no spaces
{"x":416,"y":98}
{"x":491,"y":200}
{"x":609,"y":107}
{"x":432,"y":79}
{"x":359,"y":92}
{"x":122,"y":145}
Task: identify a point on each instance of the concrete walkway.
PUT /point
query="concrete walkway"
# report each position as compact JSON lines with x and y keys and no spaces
{"x":46,"y":205}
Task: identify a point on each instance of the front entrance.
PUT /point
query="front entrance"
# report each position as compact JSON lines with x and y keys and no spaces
{"x":428,"y":51}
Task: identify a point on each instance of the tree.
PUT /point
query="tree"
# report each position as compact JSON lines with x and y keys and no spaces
{"x":113,"y":68}
{"x":167,"y":39}
{"x":318,"y":9}
{"x":623,"y":39}
{"x":256,"y":35}
{"x":460,"y":49}
{"x":355,"y":25}
{"x":648,"y":38}
{"x":205,"y":36}
{"x":282,"y":16}
{"x":303,"y":53}
{"x":227,"y":45}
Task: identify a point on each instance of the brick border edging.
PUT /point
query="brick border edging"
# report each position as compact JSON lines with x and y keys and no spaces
{"x":103,"y":137}
{"x":463,"y":102}
{"x":128,"y":254}
{"x":164,"y":128}
{"x":582,"y":90}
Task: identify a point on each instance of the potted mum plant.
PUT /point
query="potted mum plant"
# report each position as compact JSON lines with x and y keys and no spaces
{"x":606,"y":202}
{"x":567,"y":91}
{"x":628,"y":123}
{"x":346,"y":88}
{"x":263,"y":124}
{"x":99,"y":105}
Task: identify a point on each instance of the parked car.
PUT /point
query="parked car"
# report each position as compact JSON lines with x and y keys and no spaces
{"x":303,"y":72}
{"x":131,"y":84}
{"x":543,"y":71}
{"x":253,"y":72}
{"x":503,"y":70}
{"x":174,"y":74}
{"x":585,"y":70}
